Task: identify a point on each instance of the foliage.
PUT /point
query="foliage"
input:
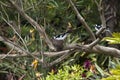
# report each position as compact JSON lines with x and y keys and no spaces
{"x":114,"y":74}
{"x":74,"y":72}
{"x":54,"y":16}
{"x":115,"y":39}
{"x":11,"y":68}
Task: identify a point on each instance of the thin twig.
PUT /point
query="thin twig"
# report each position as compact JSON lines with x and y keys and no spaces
{"x":60,"y":58}
{"x":6,"y":5}
{"x":8,"y":53}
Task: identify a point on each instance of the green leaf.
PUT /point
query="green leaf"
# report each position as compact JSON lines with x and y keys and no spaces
{"x":99,"y":69}
{"x":113,"y":40}
{"x":117,"y":35}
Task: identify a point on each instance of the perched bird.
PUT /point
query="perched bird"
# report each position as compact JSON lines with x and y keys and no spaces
{"x":61,"y":36}
{"x":106,"y":32}
{"x":58,"y":41}
{"x":97,"y":27}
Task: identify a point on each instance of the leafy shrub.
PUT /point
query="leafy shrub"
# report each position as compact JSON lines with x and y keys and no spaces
{"x":115,"y":39}
{"x":74,"y":72}
{"x":114,"y":74}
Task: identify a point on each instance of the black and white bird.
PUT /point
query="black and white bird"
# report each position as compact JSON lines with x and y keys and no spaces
{"x":106,"y":32}
{"x":61,"y":36}
{"x":58,"y":41}
{"x":97,"y":27}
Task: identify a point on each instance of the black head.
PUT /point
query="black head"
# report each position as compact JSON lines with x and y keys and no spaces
{"x":97,"y":27}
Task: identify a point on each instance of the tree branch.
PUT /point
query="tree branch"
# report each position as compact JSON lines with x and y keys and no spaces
{"x":39,"y":28}
{"x":96,"y":49}
{"x":48,"y":54}
{"x":60,"y":58}
{"x":81,"y":19}
{"x":106,"y":50}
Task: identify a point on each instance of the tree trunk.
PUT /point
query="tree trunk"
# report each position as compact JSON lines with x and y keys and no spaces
{"x":110,"y":10}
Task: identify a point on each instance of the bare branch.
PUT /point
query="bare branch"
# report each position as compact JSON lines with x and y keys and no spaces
{"x":81,"y":19}
{"x":106,"y":50}
{"x":95,"y":42}
{"x":53,"y":54}
{"x":61,"y":58}
{"x":85,"y":48}
{"x":48,"y":54}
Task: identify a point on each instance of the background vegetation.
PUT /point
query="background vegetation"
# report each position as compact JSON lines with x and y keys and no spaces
{"x":56,"y":17}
